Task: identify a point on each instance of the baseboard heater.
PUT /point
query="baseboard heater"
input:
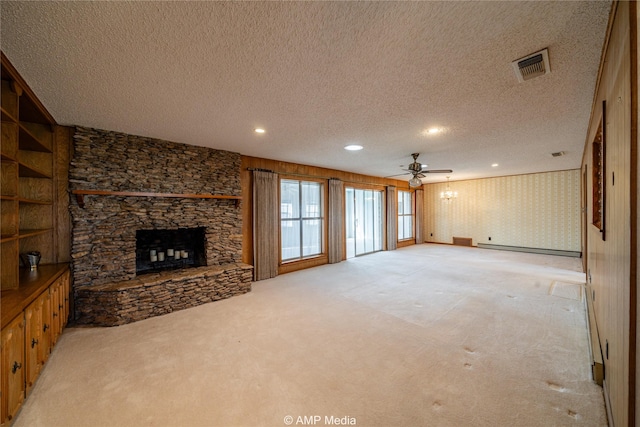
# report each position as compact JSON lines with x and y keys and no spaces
{"x":530,"y":250}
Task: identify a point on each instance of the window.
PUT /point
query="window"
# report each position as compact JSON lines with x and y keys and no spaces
{"x":405,"y":215}
{"x":301,"y":219}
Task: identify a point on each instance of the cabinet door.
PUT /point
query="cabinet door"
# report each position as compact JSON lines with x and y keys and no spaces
{"x":66,"y":293}
{"x":45,"y":336}
{"x":12,"y":368}
{"x":33,"y":341}
{"x":55,"y":313}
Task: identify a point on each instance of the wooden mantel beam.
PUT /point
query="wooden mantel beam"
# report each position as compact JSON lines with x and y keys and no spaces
{"x":81,"y":193}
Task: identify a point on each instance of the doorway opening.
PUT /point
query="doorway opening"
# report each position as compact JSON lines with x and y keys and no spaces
{"x":364,"y":220}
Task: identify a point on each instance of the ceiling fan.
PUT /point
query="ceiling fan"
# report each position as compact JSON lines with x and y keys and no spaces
{"x":418,"y":170}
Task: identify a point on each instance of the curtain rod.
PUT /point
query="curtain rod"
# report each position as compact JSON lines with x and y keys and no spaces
{"x":319,"y":177}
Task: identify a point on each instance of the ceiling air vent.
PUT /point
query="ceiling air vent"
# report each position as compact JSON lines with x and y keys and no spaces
{"x":558,"y":154}
{"x":532,"y":66}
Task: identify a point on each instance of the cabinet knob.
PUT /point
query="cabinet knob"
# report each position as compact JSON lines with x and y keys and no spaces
{"x":45,"y":327}
{"x":33,"y":342}
{"x":15,"y":367}
{"x":55,"y":314}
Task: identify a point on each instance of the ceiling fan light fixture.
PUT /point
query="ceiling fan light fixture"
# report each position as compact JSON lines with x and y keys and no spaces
{"x":415,"y":182}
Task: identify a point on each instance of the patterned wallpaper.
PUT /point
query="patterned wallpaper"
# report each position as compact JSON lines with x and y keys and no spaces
{"x":539,"y":210}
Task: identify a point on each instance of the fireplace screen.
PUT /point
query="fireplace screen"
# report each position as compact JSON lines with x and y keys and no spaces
{"x":158,"y":250}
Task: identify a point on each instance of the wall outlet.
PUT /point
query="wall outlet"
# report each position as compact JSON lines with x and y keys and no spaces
{"x":431,"y":234}
{"x":489,"y":238}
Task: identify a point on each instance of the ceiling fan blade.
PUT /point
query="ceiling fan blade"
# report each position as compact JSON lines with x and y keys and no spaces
{"x":438,"y":171}
{"x":419,"y":175}
{"x":400,"y":174}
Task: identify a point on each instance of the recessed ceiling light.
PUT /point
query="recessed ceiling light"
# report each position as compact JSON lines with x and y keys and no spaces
{"x":433,"y":131}
{"x":353,"y":147}
{"x":259,"y":130}
{"x":495,"y":165}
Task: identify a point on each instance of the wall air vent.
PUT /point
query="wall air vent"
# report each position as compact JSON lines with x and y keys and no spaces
{"x":532,"y":66}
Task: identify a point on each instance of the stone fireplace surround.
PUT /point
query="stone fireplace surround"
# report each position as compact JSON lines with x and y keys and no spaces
{"x":106,"y":289}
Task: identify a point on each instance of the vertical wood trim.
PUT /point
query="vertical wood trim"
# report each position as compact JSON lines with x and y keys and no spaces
{"x":62,"y":218}
{"x":633,"y":187}
{"x":246,"y":185}
{"x":584,"y":219}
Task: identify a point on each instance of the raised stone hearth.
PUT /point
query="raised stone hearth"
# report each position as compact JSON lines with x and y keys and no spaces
{"x":107,"y":288}
{"x":161,"y":293}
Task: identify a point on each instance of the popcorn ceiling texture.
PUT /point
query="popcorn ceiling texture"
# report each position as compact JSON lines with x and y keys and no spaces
{"x":320,"y":75}
{"x":104,"y":231}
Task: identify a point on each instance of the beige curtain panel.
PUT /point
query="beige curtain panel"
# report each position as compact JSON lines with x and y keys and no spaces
{"x":336,"y":221}
{"x":419,"y":216}
{"x":265,"y":225}
{"x":392,"y":218}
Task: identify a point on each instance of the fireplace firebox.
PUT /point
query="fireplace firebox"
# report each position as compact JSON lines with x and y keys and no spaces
{"x":159,"y":250}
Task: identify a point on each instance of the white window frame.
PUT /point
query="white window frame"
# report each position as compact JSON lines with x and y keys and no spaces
{"x":402,"y":235}
{"x":314,"y":214}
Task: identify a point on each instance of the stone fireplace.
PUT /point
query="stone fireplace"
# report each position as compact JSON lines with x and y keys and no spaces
{"x":152,"y":198}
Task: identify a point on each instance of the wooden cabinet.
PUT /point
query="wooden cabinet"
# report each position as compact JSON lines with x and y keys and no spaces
{"x":59,"y":296}
{"x":13,"y":368}
{"x":28,"y":339}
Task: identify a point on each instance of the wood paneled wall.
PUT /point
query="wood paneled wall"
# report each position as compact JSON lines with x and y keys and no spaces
{"x":635,"y":183}
{"x":611,"y":273}
{"x":62,"y":218}
{"x":302,"y":171}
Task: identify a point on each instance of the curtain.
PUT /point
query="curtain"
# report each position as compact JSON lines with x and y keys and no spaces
{"x":336,"y":220}
{"x":392,"y":218}
{"x":265,"y":225}
{"x":419,"y":216}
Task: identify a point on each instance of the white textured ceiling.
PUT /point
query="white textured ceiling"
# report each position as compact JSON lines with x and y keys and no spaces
{"x":320,"y":75}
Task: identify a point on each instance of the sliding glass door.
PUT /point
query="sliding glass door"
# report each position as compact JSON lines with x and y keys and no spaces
{"x":363,"y":210}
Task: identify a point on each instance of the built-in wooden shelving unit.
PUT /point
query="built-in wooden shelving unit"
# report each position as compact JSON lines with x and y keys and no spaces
{"x":34,"y":304}
{"x":27,"y":175}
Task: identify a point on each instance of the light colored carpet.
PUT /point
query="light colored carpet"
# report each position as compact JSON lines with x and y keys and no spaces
{"x":429,"y":335}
